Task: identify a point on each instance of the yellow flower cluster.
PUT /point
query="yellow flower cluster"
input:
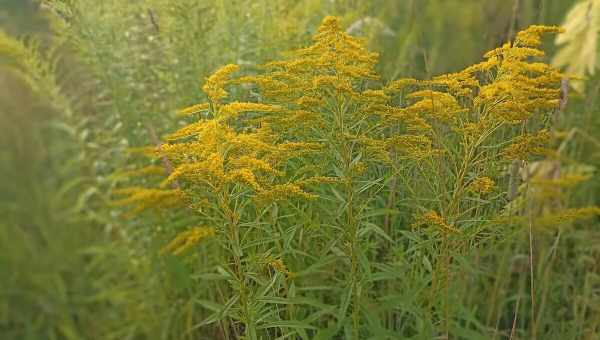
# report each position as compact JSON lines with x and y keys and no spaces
{"x":565,"y":181}
{"x":415,"y":147}
{"x":520,"y":87}
{"x":188,"y":111}
{"x":310,"y":87}
{"x":567,"y":216}
{"x":283,"y":192}
{"x":219,"y":156}
{"x":482,"y":185}
{"x":145,"y":198}
{"x":531,"y":36}
{"x":327,"y":100}
{"x":432,"y":218}
{"x":552,"y":220}
{"x":527,"y":145}
{"x":188,"y":239}
{"x":210,"y":157}
{"x":434,"y":104}
{"x":214,"y":86}
{"x":279,"y":266}
{"x":232,"y":110}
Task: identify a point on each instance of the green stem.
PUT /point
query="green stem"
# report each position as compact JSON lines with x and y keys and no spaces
{"x":238,"y":268}
{"x":354,"y":275}
{"x":346,"y":160}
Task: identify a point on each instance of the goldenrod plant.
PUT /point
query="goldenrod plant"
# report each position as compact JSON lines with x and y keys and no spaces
{"x":323,"y":116}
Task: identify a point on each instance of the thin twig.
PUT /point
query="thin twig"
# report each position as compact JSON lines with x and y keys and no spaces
{"x":514,"y":324}
{"x":513,"y":20}
{"x":165,"y":160}
{"x":531,"y":274}
{"x":153,"y":20}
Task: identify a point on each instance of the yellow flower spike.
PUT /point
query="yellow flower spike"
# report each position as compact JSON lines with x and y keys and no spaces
{"x":330,"y":24}
{"x":308,"y":101}
{"x":520,"y":88}
{"x":244,"y":176}
{"x":194,"y":129}
{"x":415,"y":147}
{"x":554,"y":219}
{"x":210,"y":170}
{"x":531,"y":37}
{"x":511,"y":53}
{"x":283,"y":192}
{"x":438,"y":105}
{"x":144,"y":198}
{"x":527,"y":145}
{"x":188,"y":239}
{"x":298,"y":120}
{"x":374,"y":97}
{"x":255,"y":164}
{"x":565,"y":181}
{"x":232,"y":110}
{"x":319,"y":180}
{"x":340,"y":84}
{"x":399,"y":85}
{"x":482,"y":185}
{"x":188,"y":111}
{"x":352,"y":71}
{"x":484,"y":66}
{"x":432,"y":218}
{"x":280,"y":267}
{"x":214,"y":86}
{"x":567,"y":216}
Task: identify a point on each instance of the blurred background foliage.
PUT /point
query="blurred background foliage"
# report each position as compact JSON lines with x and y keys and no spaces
{"x":82,"y":80}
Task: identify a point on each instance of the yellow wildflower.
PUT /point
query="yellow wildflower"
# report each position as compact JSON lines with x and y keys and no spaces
{"x":283,"y":192}
{"x":416,"y":147}
{"x":245,"y":176}
{"x":194,"y":129}
{"x":565,"y":181}
{"x":566,"y":216}
{"x":210,"y":170}
{"x":399,"y":85}
{"x":188,"y":239}
{"x":254,"y":163}
{"x":482,"y":185}
{"x":214,"y":86}
{"x":432,"y":218}
{"x":232,"y":110}
{"x":193,"y":109}
{"x":439,"y":105}
{"x":527,"y":145}
{"x":145,"y":198}
{"x":531,"y":36}
{"x":279,"y":266}
{"x":319,"y":180}
{"x":554,"y":219}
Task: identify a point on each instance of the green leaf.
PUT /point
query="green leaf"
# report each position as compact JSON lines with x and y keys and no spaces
{"x":326,"y":333}
{"x":371,"y":227}
{"x":294,"y":324}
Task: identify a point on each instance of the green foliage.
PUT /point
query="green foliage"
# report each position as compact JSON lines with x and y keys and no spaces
{"x":112,"y":75}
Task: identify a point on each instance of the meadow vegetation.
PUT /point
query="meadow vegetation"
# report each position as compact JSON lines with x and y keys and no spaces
{"x":299,"y":170}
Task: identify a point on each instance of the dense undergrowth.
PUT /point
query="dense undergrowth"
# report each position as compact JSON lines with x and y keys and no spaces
{"x":305,"y":191}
